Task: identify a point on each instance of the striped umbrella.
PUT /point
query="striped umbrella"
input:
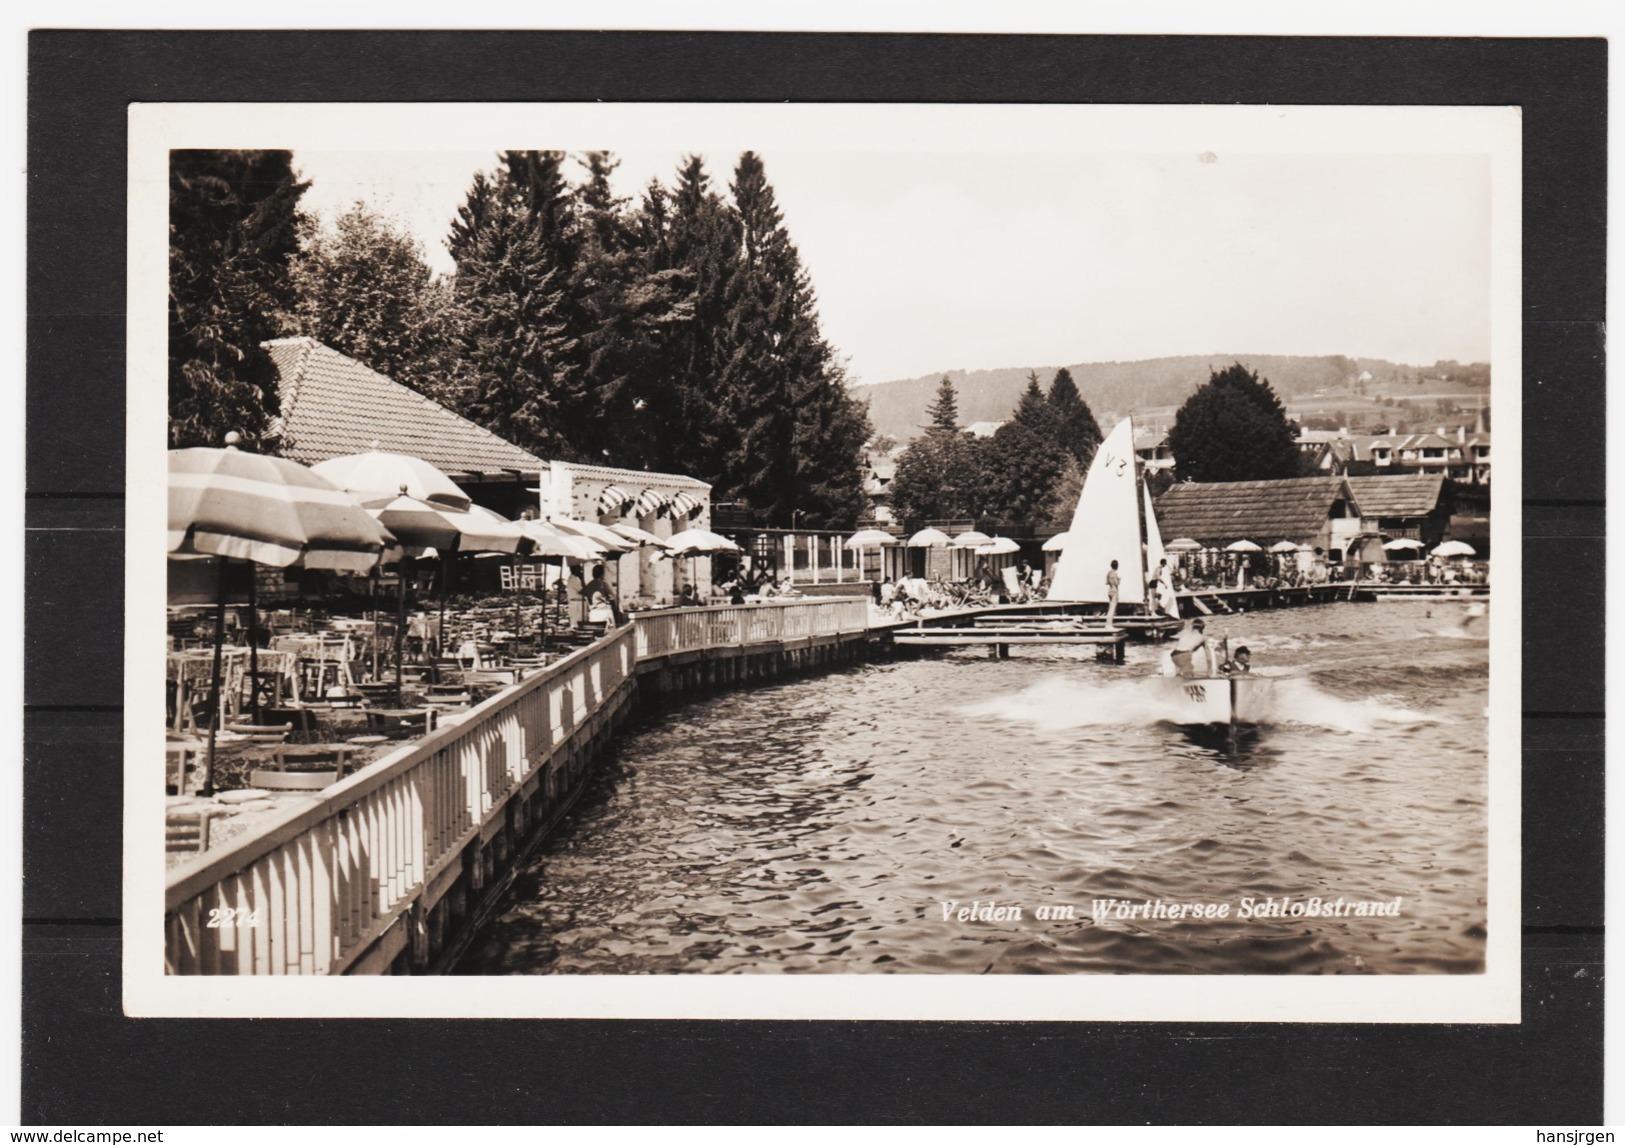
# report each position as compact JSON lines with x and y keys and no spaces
{"x":267,"y":510}
{"x":601,"y":535}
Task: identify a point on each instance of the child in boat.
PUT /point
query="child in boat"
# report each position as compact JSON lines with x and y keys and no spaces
{"x":1241,"y":664}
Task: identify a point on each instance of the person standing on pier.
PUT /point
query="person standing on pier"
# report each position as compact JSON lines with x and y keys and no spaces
{"x":1113,"y":582}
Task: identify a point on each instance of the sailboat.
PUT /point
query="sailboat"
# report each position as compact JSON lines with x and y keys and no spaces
{"x":1114,"y":521}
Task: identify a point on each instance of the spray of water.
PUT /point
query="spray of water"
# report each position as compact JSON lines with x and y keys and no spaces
{"x":1060,"y":703}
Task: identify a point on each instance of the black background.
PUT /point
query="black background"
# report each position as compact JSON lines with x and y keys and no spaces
{"x":84,"y":1063}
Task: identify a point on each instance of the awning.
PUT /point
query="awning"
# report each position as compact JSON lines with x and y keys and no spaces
{"x":650,"y":501}
{"x":685,"y":504}
{"x":612,"y":498}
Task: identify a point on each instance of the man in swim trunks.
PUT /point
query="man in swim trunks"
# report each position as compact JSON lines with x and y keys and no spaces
{"x":1190,"y":638}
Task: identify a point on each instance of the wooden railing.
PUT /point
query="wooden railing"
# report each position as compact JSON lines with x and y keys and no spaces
{"x":312,"y":890}
{"x":673,"y":631}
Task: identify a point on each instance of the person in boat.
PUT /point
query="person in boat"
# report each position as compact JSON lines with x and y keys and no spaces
{"x":1191,"y":638}
{"x":1241,"y":664}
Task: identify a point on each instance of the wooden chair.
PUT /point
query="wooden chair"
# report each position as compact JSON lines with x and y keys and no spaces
{"x":303,"y":769}
{"x":262,"y":733}
{"x":187,"y":831}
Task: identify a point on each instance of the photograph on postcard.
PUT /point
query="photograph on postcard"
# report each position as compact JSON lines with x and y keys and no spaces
{"x":824,"y":561}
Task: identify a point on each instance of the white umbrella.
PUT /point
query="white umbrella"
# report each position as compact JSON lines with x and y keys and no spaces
{"x":1455,"y":549}
{"x":376,"y":473}
{"x":1057,"y":543}
{"x":601,"y":535}
{"x":869,"y":538}
{"x":1243,"y":547}
{"x":1401,"y":543}
{"x":928,"y":538}
{"x":998,"y":547}
{"x":642,"y":537}
{"x":1182,"y":545}
{"x":699,"y":542}
{"x":552,"y":542}
{"x":970,"y":539}
{"x":1284,"y":547}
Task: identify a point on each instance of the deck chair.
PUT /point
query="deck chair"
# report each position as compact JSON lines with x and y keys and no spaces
{"x":1012,"y":582}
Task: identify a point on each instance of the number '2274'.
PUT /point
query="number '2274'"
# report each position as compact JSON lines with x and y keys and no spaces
{"x":231,"y":916}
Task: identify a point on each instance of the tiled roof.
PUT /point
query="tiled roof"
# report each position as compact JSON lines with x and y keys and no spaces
{"x":1402,"y":495}
{"x":1219,"y":512}
{"x":631,"y":476}
{"x":333,"y":405}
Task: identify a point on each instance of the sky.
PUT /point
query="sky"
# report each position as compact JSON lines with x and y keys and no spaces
{"x":925,"y":262}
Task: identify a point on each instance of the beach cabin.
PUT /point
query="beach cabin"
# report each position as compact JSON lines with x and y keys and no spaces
{"x":1414,"y":506}
{"x":1319,"y":512}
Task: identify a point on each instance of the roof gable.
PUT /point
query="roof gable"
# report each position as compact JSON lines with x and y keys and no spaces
{"x":1219,"y":512}
{"x":1403,"y":495}
{"x":332,"y":406}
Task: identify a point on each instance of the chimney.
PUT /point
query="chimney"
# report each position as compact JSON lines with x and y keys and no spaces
{"x":1440,"y":431}
{"x":1461,"y":435}
{"x":1343,"y":432}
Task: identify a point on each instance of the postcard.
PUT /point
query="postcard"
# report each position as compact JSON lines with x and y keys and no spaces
{"x":823,"y":561}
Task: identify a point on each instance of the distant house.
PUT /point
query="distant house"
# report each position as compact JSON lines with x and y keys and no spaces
{"x":879,"y":470}
{"x":1404,"y":505}
{"x":1442,"y":452}
{"x":1151,"y":447}
{"x":983,"y":428}
{"x":1321,"y":512}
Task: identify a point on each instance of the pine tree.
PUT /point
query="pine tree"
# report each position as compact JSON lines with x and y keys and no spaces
{"x":1075,"y":426}
{"x":702,"y":245}
{"x":944,"y":408}
{"x":233,"y":228}
{"x":770,"y":354}
{"x":1233,"y":428}
{"x":941,"y":474}
{"x":1023,"y":458}
{"x":514,"y":335}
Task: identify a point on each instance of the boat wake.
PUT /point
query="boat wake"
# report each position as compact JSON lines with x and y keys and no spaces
{"x":1060,"y":703}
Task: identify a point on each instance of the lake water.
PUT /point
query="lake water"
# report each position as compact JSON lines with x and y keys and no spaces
{"x":821,"y":824}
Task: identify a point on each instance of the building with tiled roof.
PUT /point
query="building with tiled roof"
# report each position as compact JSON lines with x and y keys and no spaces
{"x":1398,"y":505}
{"x":332,"y":406}
{"x":1321,"y":512}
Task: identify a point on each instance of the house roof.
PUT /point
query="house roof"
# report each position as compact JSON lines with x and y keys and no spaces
{"x":332,"y":405}
{"x":1219,"y":512}
{"x":1402,"y":495}
{"x":637,"y":477}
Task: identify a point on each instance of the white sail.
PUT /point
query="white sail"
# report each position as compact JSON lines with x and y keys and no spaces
{"x":1105,"y":527}
{"x":1153,"y":535}
{"x":1160,"y":590}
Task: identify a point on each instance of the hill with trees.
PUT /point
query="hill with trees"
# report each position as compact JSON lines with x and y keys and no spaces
{"x":898,"y":408}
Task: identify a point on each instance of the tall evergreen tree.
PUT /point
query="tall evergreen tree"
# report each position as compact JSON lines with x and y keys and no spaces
{"x":940,"y":475}
{"x":1075,"y":426}
{"x":514,"y":336}
{"x":364,"y":288}
{"x":944,"y":408}
{"x":1024,"y":458}
{"x":233,"y":228}
{"x":1233,"y":428}
{"x":703,"y":243}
